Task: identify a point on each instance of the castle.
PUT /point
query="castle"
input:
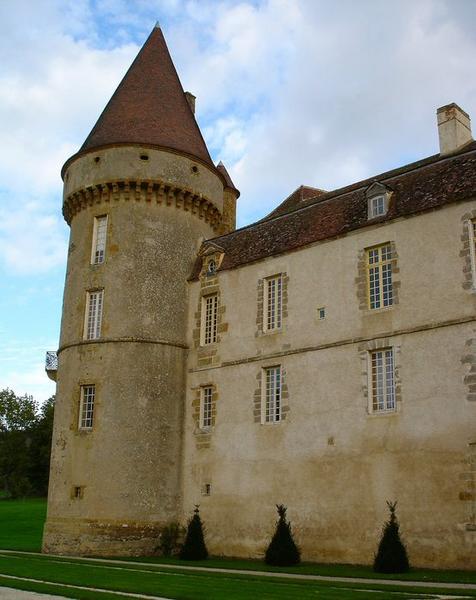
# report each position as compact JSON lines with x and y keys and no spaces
{"x":323,"y":357}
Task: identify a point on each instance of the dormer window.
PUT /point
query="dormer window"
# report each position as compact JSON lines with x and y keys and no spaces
{"x":377,"y":206}
{"x":212,"y":257}
{"x":211,"y":267}
{"x":378,"y":200}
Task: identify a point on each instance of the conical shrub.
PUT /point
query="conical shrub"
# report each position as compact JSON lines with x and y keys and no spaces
{"x":282,"y":550}
{"x":194,"y":547}
{"x":391,"y":555}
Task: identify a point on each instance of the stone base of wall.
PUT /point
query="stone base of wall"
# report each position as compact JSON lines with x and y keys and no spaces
{"x":456,"y":551}
{"x":100,"y":538}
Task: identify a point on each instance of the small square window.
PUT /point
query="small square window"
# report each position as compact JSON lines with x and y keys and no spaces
{"x":207,"y":489}
{"x":321,"y":313}
{"x":77,"y":492}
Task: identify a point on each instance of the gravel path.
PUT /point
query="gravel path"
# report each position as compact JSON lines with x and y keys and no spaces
{"x":10,"y":594}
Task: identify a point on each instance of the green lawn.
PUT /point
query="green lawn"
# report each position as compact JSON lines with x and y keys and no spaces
{"x":328,"y":570}
{"x":184,"y":585}
{"x":21,"y":524}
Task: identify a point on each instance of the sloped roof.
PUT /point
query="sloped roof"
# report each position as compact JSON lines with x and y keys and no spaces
{"x":295,"y":200}
{"x":425,"y":185}
{"x":149,"y":107}
{"x":229,"y":183}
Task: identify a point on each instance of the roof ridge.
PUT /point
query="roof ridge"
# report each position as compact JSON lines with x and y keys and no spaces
{"x":358,"y":185}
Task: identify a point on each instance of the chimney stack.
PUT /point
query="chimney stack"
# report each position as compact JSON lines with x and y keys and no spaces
{"x":454,"y":128}
{"x":191,"y":100}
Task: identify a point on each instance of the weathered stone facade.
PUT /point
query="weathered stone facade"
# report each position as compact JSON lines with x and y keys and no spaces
{"x":365,"y":405}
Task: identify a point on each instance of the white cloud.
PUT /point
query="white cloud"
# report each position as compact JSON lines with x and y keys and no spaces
{"x":33,"y":382}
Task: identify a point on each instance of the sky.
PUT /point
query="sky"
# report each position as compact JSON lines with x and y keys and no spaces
{"x":289,"y":92}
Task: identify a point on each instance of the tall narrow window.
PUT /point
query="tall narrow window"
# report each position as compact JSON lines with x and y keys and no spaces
{"x":382,"y":380}
{"x":206,"y":407}
{"x":379,"y":265}
{"x":209,"y":319}
{"x":273,"y":313}
{"x":86,"y":407}
{"x":271,"y":409}
{"x":98,"y":252}
{"x":472,"y":249}
{"x":94,"y":304}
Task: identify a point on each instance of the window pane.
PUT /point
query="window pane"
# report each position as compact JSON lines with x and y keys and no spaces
{"x":211,"y":319}
{"x":379,"y":268}
{"x":99,"y":240}
{"x":274,"y":303}
{"x":94,"y":314}
{"x":272,"y":411}
{"x":206,"y":411}
{"x":86,"y":411}
{"x":382,"y":380}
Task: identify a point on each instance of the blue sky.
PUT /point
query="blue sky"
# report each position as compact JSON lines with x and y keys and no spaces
{"x":318,"y":92}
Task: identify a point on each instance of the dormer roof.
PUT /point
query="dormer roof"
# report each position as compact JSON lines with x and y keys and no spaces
{"x":149,"y":107}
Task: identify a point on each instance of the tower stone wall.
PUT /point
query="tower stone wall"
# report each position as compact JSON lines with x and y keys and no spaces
{"x":160,"y":205}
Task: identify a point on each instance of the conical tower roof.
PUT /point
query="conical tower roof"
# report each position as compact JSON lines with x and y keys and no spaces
{"x":149,"y":107}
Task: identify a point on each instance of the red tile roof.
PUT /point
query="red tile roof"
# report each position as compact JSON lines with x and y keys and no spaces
{"x":425,"y":185}
{"x":229,"y":183}
{"x":295,"y":200}
{"x":149,"y":107}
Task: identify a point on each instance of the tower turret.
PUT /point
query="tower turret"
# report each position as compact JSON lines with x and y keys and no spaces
{"x":139,"y":196}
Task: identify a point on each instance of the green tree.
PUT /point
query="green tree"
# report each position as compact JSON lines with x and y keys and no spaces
{"x":40,"y":448}
{"x":25,"y":442}
{"x":17,"y":413}
{"x":391,"y":555}
{"x":282,"y":550}
{"x":194,"y":547}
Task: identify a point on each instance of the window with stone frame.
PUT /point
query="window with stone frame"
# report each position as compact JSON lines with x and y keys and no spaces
{"x":93,"y":317}
{"x":382,"y":380}
{"x":379,"y":276}
{"x":273,"y":303}
{"x":98,"y":251}
{"x":209,"y":319}
{"x":272,"y":395}
{"x":206,"y":405}
{"x":86,"y":407}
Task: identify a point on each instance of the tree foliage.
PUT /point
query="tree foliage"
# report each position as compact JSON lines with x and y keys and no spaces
{"x":282,"y":550}
{"x":25,"y":444}
{"x":17,"y":413}
{"x":391,"y":555}
{"x":194,"y":547}
{"x":171,"y":537}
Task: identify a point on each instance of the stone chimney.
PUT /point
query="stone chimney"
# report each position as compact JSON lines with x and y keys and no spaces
{"x":191,"y":100}
{"x":454,"y":128}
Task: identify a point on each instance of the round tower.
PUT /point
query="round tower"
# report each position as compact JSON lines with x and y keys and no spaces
{"x":139,"y":196}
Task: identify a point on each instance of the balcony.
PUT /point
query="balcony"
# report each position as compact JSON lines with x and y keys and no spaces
{"x":51,"y":364}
